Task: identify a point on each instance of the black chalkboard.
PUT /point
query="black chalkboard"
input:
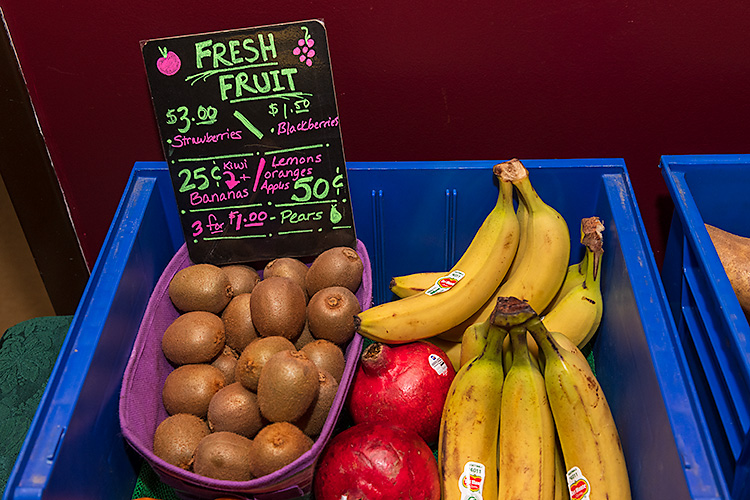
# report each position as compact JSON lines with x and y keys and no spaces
{"x":250,"y":131}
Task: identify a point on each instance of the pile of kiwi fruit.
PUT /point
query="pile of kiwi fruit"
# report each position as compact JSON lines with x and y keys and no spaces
{"x":258,"y":358}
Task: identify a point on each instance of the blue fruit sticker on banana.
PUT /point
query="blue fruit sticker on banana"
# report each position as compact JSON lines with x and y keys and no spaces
{"x":445,"y":283}
{"x":578,"y":485}
{"x":471,"y":482}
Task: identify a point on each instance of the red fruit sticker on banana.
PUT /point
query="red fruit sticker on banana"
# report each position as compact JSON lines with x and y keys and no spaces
{"x":445,"y":283}
{"x":471,"y":482}
{"x":578,"y":485}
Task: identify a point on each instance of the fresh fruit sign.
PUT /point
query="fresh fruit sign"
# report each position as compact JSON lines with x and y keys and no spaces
{"x":250,"y":131}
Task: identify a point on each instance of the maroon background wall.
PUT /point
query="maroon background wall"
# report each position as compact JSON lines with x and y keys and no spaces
{"x":423,"y":81}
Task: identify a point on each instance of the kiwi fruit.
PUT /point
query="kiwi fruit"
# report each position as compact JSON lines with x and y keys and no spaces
{"x":287,"y":386}
{"x":238,"y":322}
{"x":278,"y":307}
{"x":193,"y":337}
{"x":338,"y":266}
{"x":200,"y":287}
{"x":304,"y":338}
{"x":226,"y":362}
{"x":235,"y":409}
{"x":311,"y":423}
{"x":330,"y":314}
{"x":327,"y":356}
{"x":242,"y":278}
{"x":224,"y":455}
{"x":276,"y":445}
{"x":287,"y":267}
{"x":189,"y":389}
{"x":254,"y":357}
{"x":177,"y":437}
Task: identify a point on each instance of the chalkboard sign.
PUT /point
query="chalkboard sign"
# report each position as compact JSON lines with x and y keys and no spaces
{"x":250,"y":131}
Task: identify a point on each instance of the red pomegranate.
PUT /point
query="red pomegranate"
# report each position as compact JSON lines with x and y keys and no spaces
{"x":377,"y":461}
{"x":405,"y":384}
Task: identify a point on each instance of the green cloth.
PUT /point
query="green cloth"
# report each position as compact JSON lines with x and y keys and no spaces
{"x":28,"y":352}
{"x":148,"y":485}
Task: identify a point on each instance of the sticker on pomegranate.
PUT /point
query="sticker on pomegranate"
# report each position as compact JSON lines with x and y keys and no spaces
{"x":578,"y":485}
{"x":437,"y":364}
{"x":445,"y":283}
{"x":471,"y":482}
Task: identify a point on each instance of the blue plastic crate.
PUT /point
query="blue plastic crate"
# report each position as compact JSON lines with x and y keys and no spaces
{"x":712,"y":331}
{"x":412,"y":216}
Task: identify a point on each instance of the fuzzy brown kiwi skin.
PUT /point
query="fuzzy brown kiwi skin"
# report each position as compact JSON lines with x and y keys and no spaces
{"x":243,"y":278}
{"x":193,"y":337}
{"x":238,"y":322}
{"x":226,"y":362}
{"x":189,"y":389}
{"x":287,"y":386}
{"x":224,"y":455}
{"x":330,"y":314}
{"x":287,"y":267}
{"x":254,"y":357}
{"x":200,"y":287}
{"x":278,"y":307}
{"x":327,"y":356}
{"x":338,"y":266}
{"x":235,"y":409}
{"x":312,"y":422}
{"x":177,"y":437}
{"x":276,"y":445}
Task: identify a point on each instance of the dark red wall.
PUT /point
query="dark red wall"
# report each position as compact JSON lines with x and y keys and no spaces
{"x":415,"y":81}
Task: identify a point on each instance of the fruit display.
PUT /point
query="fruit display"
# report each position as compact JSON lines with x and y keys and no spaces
{"x":257,"y":361}
{"x":524,"y":416}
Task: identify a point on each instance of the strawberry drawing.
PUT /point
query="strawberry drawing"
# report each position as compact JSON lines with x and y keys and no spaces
{"x":169,"y":63}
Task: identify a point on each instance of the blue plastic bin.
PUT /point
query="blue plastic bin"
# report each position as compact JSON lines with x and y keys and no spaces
{"x":712,"y":331}
{"x":412,"y":216}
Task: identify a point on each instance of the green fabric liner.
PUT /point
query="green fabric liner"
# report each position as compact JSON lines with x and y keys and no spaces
{"x":28,"y":352}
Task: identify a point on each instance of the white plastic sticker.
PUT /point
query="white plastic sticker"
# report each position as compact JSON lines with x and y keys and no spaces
{"x":437,"y":364}
{"x":471,"y":482}
{"x":445,"y":283}
{"x":578,"y":485}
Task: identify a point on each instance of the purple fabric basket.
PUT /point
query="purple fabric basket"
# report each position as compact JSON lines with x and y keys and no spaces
{"x":141,"y":408}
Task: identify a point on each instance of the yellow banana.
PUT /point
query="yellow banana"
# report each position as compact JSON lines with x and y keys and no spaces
{"x":467,"y":447}
{"x":561,"y":484}
{"x":479,"y":272}
{"x":413,"y":284}
{"x":526,"y":463}
{"x":451,"y":349}
{"x":588,"y":436}
{"x":574,"y":276}
{"x":541,"y":264}
{"x":577,"y":314}
{"x":473,"y":341}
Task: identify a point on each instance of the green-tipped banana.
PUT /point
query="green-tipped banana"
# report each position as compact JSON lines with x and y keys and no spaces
{"x":467,"y":448}
{"x":469,"y":284}
{"x":577,"y":315}
{"x":526,"y":463}
{"x":542,"y":263}
{"x":589,"y":440}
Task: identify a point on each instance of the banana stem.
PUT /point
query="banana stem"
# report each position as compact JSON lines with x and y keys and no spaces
{"x":494,"y":346}
{"x":519,"y":346}
{"x":510,"y":312}
{"x":546,"y":342}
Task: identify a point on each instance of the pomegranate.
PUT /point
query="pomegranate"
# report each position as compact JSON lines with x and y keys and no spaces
{"x":377,"y":461}
{"x":405,"y":384}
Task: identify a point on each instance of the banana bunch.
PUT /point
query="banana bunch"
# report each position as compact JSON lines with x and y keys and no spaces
{"x":467,"y":447}
{"x":555,"y":434}
{"x":521,"y":253}
{"x":458,"y":294}
{"x":576,"y":311}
